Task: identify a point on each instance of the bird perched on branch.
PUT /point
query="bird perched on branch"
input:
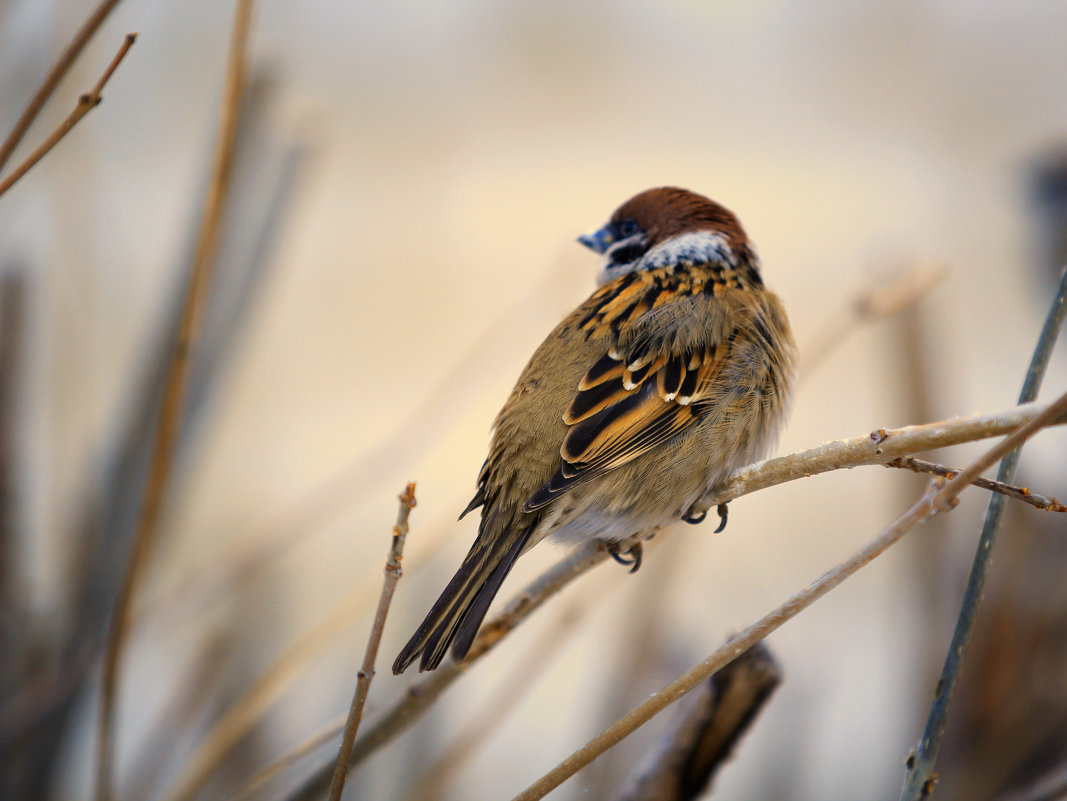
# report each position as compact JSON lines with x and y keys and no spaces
{"x":675,"y":371}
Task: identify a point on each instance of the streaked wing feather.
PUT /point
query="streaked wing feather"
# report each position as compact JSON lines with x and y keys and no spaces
{"x":620,"y":414}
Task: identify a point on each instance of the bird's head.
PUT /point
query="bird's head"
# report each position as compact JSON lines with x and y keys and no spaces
{"x":665,"y":227}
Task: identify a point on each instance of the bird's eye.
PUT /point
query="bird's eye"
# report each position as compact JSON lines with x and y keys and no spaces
{"x":628,"y":228}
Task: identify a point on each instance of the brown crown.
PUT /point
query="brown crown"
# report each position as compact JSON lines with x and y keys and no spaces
{"x":668,"y":211}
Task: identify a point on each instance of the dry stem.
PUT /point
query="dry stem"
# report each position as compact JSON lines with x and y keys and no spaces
{"x":166,"y":437}
{"x":86,"y":103}
{"x":55,"y":75}
{"x":703,"y":738}
{"x":879,"y":447}
{"x":393,"y":571}
{"x":919,"y":776}
{"x":1043,"y":502}
{"x":929,"y":505}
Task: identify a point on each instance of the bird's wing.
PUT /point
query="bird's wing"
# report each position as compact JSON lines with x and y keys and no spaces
{"x":632,"y":399}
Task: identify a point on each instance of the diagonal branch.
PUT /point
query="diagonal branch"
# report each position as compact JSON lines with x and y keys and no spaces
{"x":879,"y":447}
{"x":55,"y":75}
{"x":714,"y":719}
{"x":929,"y":505}
{"x":1038,"y":501}
{"x":86,"y":103}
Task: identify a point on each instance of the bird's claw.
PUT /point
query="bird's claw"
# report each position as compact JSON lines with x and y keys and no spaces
{"x":693,"y":518}
{"x":722,"y":511}
{"x":631,"y":556}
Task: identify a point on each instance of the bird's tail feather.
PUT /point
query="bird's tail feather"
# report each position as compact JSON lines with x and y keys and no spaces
{"x":457,"y":614}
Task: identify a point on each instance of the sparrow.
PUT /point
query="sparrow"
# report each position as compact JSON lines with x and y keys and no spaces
{"x":678,"y":369}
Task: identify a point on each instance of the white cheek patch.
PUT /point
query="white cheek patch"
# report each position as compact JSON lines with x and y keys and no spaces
{"x":698,"y":247}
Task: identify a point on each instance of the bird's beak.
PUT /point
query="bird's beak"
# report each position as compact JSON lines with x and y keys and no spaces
{"x":598,"y":241}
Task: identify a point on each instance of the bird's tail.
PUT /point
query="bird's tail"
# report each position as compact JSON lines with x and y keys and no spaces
{"x":458,"y":613}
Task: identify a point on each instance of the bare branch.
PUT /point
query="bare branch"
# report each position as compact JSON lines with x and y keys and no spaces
{"x":717,"y":715}
{"x":1043,"y":502}
{"x":393,"y":572}
{"x":166,"y":436}
{"x":919,"y":776}
{"x":85,"y":104}
{"x":929,"y":505}
{"x":248,"y":708}
{"x":420,"y":696}
{"x":881,"y":446}
{"x":55,"y":75}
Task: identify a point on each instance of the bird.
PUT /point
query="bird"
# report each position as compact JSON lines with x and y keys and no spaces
{"x":678,"y":369}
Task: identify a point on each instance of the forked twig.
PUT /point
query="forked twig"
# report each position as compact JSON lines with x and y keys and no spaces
{"x":170,"y":414}
{"x":85,"y":104}
{"x":393,"y":571}
{"x":1024,"y":494}
{"x":930,"y":504}
{"x":879,"y":447}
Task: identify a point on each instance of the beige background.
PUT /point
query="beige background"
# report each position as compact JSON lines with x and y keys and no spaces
{"x":457,"y":149}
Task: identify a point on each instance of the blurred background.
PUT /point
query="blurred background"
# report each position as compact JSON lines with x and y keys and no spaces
{"x":410,"y":181}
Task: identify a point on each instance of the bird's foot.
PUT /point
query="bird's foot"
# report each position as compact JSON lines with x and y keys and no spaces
{"x":693,"y":517}
{"x":631,"y":557}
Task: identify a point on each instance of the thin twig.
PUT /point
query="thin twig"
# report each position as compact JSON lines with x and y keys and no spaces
{"x":166,"y":436}
{"x":879,"y":447}
{"x":393,"y":571}
{"x":929,"y":505}
{"x":85,"y":104}
{"x":703,"y":737}
{"x":1024,"y":494}
{"x":919,"y":776}
{"x":882,"y":445}
{"x":55,"y":75}
{"x":456,"y":751}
